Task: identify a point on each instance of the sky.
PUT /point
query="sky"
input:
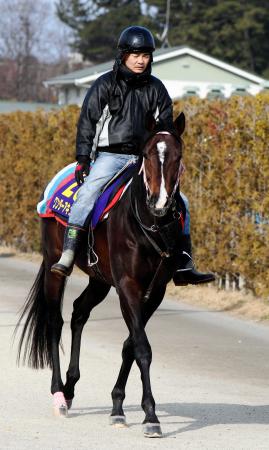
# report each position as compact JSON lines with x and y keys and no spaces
{"x":34,"y":25}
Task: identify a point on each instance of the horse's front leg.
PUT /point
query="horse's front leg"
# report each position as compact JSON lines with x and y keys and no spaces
{"x":130,"y":294}
{"x":54,"y":287}
{"x":117,"y":417}
{"x":90,"y":297}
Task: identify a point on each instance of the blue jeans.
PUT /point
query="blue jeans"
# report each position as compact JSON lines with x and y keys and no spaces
{"x":187,"y":225}
{"x":104,"y":168}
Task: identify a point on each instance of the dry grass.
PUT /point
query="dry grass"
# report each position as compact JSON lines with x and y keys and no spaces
{"x":13,"y":253}
{"x":234,"y":303}
{"x":207,"y":296}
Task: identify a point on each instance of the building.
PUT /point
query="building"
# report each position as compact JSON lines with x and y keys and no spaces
{"x":184,"y":72}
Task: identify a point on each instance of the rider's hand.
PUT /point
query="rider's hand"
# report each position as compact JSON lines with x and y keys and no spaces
{"x":82,"y":167}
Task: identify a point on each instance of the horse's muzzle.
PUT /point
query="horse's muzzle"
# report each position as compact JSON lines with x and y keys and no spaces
{"x":158,"y":212}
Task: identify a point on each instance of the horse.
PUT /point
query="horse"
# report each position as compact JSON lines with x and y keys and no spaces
{"x":136,"y":251}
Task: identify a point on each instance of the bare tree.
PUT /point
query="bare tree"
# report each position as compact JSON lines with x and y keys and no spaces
{"x":164,"y":36}
{"x":29,"y":37}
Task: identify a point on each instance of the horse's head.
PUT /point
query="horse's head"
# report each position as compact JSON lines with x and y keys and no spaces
{"x":161,"y":165}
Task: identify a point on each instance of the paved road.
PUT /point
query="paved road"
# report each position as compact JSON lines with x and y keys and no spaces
{"x":210,"y":378}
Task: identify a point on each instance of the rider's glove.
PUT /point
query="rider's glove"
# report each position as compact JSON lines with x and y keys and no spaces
{"x":82,"y":167}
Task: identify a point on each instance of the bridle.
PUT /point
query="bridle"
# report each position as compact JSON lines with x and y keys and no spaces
{"x":142,"y":171}
{"x":165,"y":232}
{"x":155,"y":228}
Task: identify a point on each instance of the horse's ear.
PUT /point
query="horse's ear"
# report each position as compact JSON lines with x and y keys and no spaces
{"x":179,"y":123}
{"x":150,"y":122}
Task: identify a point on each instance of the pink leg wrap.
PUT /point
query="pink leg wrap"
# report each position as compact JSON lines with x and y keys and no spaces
{"x":59,"y":400}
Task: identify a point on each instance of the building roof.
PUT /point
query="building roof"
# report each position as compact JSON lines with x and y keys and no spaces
{"x":89,"y":74}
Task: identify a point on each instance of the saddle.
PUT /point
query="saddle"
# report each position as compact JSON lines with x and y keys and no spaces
{"x":60,"y":194}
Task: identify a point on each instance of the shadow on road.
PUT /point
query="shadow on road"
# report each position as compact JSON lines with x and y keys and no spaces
{"x":195,"y":415}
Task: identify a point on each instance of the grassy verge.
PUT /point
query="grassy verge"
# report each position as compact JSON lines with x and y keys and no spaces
{"x":235,"y":303}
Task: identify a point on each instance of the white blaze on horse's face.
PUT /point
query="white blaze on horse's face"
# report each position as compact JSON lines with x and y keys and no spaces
{"x":161,"y":169}
{"x":163,"y":196}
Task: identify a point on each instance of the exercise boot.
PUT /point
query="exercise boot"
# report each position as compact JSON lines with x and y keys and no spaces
{"x":72,"y":239}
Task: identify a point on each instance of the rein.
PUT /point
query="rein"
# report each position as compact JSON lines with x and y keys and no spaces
{"x":154,"y":229}
{"x":162,"y":231}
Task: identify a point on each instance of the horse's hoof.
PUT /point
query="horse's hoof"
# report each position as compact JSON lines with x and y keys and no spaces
{"x":59,"y":405}
{"x":61,"y":411}
{"x":69,"y":403}
{"x":118,"y":421}
{"x":152,"y":430}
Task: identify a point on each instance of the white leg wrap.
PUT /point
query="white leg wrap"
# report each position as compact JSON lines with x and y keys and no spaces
{"x":67,"y":258}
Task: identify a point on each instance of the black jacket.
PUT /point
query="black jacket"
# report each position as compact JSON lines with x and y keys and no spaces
{"x":120,"y":129}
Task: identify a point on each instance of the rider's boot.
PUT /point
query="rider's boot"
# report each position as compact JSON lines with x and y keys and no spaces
{"x":185,"y":270}
{"x":72,"y":239}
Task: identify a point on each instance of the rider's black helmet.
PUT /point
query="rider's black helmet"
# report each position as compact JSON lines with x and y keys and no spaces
{"x":135,"y":40}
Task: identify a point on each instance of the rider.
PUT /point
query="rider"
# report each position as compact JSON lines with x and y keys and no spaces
{"x":111,"y":123}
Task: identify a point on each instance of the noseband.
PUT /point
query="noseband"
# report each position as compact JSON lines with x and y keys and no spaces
{"x":163,"y":231}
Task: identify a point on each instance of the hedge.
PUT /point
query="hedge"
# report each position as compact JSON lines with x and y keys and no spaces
{"x":33,"y":147}
{"x":227,"y":161}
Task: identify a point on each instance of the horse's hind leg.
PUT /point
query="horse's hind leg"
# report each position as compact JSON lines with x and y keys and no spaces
{"x":95,"y":292}
{"x":53,"y":289}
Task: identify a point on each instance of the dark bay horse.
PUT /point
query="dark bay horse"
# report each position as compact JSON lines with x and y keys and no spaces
{"x":133,"y":257}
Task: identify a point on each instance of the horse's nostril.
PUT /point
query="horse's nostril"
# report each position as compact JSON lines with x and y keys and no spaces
{"x":152,"y":201}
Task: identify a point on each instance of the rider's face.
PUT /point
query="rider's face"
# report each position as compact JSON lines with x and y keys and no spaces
{"x":137,"y":62}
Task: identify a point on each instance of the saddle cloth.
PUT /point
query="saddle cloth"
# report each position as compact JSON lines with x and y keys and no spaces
{"x":61,"y":192}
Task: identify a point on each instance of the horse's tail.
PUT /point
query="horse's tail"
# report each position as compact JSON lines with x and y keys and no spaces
{"x":35,"y":333}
